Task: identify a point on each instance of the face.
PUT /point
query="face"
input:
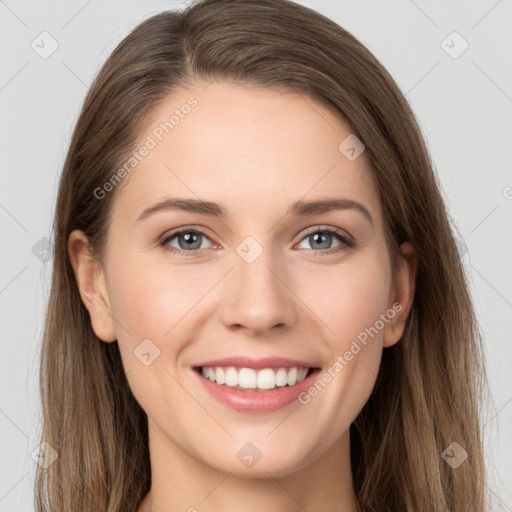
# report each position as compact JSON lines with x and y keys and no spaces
{"x":284,"y":299}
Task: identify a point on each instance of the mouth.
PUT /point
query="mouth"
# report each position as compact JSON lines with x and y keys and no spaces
{"x":255,"y":379}
{"x":253,"y":385}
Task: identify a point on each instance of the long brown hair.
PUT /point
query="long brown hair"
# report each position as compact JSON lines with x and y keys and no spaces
{"x":428,"y":391}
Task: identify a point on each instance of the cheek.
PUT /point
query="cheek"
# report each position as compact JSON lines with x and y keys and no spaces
{"x":348,"y":301}
{"x":349,"y":298}
{"x":147,"y":291}
{"x":136,"y":298}
{"x":148,"y":302}
{"x":351,"y":302}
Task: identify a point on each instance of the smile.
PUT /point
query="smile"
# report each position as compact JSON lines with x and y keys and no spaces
{"x":254,"y":385}
{"x":249,"y":378}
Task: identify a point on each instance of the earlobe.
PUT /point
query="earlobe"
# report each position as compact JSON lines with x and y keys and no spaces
{"x":90,"y":278}
{"x":402,"y":295}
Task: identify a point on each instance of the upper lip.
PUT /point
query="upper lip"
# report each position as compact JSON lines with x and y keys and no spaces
{"x":249,"y":362}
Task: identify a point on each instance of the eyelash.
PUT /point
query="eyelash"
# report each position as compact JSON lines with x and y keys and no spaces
{"x":346,"y":242}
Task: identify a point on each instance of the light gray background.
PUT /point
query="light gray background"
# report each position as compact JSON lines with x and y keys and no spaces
{"x":463,"y":104}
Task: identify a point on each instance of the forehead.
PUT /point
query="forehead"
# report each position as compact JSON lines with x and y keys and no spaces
{"x":249,"y":149}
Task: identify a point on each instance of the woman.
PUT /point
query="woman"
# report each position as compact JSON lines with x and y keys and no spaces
{"x":201,"y":351}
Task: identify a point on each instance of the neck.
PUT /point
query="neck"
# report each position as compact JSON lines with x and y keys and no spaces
{"x":181,"y":482}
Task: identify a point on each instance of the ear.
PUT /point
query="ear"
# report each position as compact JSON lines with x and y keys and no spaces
{"x":402,"y":294}
{"x":91,"y":282}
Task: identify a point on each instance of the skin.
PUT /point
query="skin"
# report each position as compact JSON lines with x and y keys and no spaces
{"x":255,"y":152}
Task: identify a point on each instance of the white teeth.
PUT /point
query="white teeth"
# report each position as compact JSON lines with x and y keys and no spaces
{"x":220,"y":376}
{"x":266,"y":379}
{"x":248,"y":378}
{"x":281,"y":377}
{"x":231,"y":377}
{"x":292,"y":376}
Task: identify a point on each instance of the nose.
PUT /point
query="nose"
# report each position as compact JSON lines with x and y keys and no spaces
{"x":260,"y":296}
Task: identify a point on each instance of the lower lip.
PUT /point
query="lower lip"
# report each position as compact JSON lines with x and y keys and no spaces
{"x":257,"y":401}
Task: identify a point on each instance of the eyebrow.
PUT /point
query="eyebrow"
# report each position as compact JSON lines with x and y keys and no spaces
{"x":299,"y":209}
